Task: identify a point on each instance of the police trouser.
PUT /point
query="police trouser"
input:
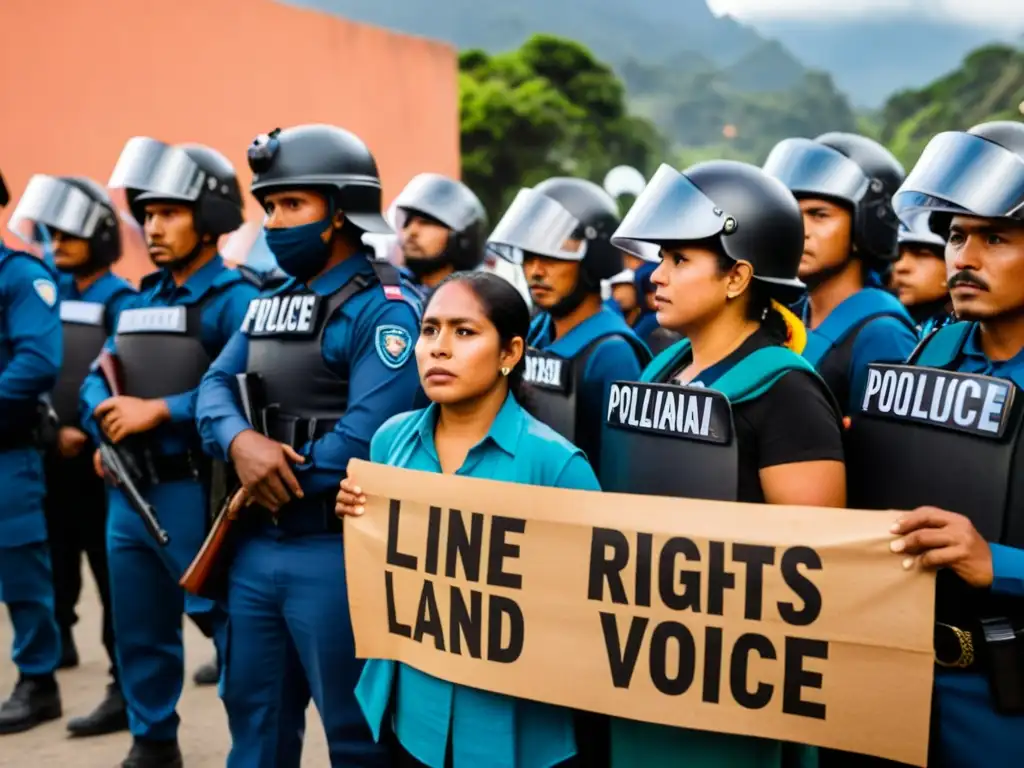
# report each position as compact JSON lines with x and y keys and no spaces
{"x":76,"y":519}
{"x":149,"y":605}
{"x":289,"y":640}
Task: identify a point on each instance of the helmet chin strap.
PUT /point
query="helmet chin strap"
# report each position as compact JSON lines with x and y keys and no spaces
{"x":431,"y":265}
{"x":182,"y":263}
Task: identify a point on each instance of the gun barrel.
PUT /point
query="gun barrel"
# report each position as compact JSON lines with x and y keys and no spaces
{"x":113,"y":463}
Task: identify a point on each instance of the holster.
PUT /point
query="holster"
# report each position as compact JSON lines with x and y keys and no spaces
{"x":1004,"y":663}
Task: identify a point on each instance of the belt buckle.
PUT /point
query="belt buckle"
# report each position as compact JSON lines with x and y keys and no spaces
{"x":966,"y":642}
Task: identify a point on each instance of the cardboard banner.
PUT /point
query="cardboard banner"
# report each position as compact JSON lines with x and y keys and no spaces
{"x":789,"y":623}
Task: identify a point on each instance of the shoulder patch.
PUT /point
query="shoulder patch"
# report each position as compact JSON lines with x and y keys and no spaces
{"x":46,"y":290}
{"x":393,"y":344}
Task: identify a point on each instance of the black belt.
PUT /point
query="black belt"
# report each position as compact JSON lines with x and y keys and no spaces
{"x":157,"y":468}
{"x":305,"y":517}
{"x":294,"y":430}
{"x":19,"y":439}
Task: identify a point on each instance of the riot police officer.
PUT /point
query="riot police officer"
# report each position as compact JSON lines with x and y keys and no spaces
{"x":30,"y":359}
{"x":325,"y":359}
{"x":919,"y":276}
{"x":731,"y":412}
{"x":185,"y":197}
{"x":81,"y":225}
{"x":845,"y":184}
{"x":441,"y":228}
{"x":559,"y":231}
{"x":959,"y":412}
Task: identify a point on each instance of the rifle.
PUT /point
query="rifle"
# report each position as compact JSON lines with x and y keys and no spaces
{"x":118,"y":464}
{"x":207,"y":574}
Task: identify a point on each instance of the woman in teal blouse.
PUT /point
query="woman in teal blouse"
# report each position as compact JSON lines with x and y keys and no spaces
{"x":470,"y":359}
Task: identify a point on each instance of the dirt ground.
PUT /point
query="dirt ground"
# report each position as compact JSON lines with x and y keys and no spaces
{"x":204,"y":733}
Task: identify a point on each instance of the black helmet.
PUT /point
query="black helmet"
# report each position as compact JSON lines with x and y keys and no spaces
{"x":320,"y":157}
{"x":452,"y":204}
{"x":979,"y":173}
{"x":541,"y":219}
{"x":5,"y":196}
{"x":751,"y":214}
{"x":150,"y":170}
{"x":76,"y":206}
{"x":851,"y":169}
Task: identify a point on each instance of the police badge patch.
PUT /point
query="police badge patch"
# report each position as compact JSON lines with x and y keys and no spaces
{"x":46,"y":291}
{"x":394,"y":345}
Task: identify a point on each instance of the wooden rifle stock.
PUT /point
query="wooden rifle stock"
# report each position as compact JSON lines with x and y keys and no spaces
{"x":207,"y":574}
{"x":111,"y":369}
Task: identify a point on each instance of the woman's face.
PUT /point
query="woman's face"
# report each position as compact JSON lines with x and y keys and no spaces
{"x":689,"y":288}
{"x":459,"y":353}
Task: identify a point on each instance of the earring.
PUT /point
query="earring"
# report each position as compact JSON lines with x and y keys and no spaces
{"x":505,"y":371}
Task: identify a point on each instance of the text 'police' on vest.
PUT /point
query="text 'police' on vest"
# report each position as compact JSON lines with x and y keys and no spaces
{"x":291,"y":315}
{"x":964,"y":402}
{"x":688,"y":412}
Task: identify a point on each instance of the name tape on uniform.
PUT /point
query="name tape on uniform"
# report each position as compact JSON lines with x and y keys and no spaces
{"x":153,"y":320}
{"x":776,"y":622}
{"x":964,"y":402}
{"x":691,"y":413}
{"x":547,"y":371}
{"x":82,"y":312}
{"x":293,"y":314}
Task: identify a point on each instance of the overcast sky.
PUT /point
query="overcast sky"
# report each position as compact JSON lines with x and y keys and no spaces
{"x":988,"y":12}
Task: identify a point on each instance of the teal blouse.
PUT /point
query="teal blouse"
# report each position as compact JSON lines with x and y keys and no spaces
{"x":486,"y":729}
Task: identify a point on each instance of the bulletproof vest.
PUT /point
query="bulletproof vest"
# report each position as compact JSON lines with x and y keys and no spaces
{"x":294,"y":396}
{"x":669,"y":440}
{"x":925,"y":434}
{"x":555,"y":382}
{"x":85,"y":331}
{"x":830,"y":346}
{"x":161,"y":349}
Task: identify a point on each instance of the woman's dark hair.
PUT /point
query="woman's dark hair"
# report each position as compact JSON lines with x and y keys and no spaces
{"x":507,"y":311}
{"x":759,"y":306}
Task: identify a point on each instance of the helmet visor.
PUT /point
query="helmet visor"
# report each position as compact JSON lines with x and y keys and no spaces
{"x":441,"y":199}
{"x":536,"y":224}
{"x":671,"y":208}
{"x":809,"y":168}
{"x":58,"y":205}
{"x":961,"y":173}
{"x":150,"y":166}
{"x":915,"y":230}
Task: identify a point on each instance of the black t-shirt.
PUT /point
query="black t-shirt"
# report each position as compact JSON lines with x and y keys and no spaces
{"x":792,"y":422}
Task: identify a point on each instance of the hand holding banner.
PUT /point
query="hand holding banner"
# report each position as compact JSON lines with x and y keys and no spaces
{"x":787,"y":623}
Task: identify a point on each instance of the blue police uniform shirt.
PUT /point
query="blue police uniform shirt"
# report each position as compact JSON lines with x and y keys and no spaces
{"x":31,"y":355}
{"x":112,"y":291}
{"x":486,"y":728}
{"x":883,"y":339}
{"x":221,"y":316}
{"x":967,"y":721}
{"x":378,"y":386}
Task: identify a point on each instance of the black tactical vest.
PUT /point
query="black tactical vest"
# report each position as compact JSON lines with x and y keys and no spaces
{"x":161,"y":350}
{"x":85,"y":331}
{"x":669,"y":440}
{"x":295,"y":397}
{"x":554,"y":394}
{"x":930,"y":436}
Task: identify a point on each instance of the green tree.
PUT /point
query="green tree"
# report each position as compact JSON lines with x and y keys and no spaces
{"x":549,"y":108}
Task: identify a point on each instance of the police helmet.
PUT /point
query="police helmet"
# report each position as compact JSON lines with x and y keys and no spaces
{"x":979,"y":172}
{"x":853,"y":170}
{"x":541,"y":219}
{"x":5,"y":196}
{"x":321,"y":157}
{"x":452,"y":204}
{"x":917,"y":231}
{"x":76,"y":206}
{"x":198,"y":176}
{"x":752,"y":216}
